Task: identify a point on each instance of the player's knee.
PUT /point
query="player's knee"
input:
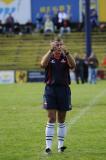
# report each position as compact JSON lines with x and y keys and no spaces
{"x":61,"y":120}
{"x":52,"y":119}
{"x":52,"y":116}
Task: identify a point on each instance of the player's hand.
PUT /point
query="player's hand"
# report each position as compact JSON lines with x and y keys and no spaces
{"x":54,"y":46}
{"x":65,"y":51}
{"x":64,"y":48}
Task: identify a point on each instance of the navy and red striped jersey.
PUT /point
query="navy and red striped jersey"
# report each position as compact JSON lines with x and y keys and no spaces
{"x":57,"y":71}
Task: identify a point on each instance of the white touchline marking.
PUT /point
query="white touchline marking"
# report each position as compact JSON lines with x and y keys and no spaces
{"x":84,"y":110}
{"x":73,"y":120}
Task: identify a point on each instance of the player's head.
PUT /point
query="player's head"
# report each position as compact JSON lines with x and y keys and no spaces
{"x":57,"y":44}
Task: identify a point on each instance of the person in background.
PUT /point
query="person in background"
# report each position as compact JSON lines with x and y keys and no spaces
{"x":93,"y":63}
{"x":38,"y":22}
{"x":61,"y":16}
{"x":48,"y":26}
{"x":57,"y":63}
{"x":29,"y":27}
{"x":55,"y":21}
{"x":94,"y":18}
{"x":79,"y":70}
{"x":9,"y":24}
{"x":65,"y":26}
{"x":1,"y":27}
{"x":85,"y":63}
{"x":103,"y":64}
{"x":17,"y":28}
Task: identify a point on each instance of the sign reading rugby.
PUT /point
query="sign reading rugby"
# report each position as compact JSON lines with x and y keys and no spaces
{"x":51,"y":7}
{"x":19,"y":9}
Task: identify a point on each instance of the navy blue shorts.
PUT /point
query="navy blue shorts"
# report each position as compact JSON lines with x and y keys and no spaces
{"x":57,"y":97}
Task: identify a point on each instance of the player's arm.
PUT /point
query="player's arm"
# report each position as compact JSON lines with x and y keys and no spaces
{"x":70,"y":60}
{"x":45,"y":59}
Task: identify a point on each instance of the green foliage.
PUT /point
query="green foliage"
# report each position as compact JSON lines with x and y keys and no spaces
{"x":22,"y":123}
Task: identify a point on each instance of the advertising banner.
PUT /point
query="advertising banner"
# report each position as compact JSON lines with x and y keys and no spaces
{"x":21,"y":76}
{"x":52,"y":6}
{"x":19,"y":9}
{"x":7,"y":77}
{"x":35,"y":76}
{"x":102,"y":10}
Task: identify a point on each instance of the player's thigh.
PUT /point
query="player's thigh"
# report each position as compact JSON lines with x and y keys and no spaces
{"x":49,"y":98}
{"x":64,"y":98}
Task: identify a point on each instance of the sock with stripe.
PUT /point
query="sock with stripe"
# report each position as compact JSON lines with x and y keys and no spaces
{"x":61,"y":132}
{"x":49,"y":134}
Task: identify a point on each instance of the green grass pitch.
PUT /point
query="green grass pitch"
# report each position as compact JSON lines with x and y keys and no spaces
{"x":22,"y":123}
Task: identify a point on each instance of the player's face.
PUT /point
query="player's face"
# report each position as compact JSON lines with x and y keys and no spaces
{"x":58,"y":49}
{"x":58,"y":46}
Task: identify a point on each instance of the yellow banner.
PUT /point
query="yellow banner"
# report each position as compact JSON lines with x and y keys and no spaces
{"x":102,"y":10}
{"x":21,"y":76}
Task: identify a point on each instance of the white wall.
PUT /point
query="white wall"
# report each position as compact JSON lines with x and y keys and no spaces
{"x":20,"y":10}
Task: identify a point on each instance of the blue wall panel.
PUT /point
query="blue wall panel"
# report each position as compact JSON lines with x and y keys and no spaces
{"x":41,"y":6}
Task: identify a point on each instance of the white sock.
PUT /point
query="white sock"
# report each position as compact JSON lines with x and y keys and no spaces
{"x":61,"y":132}
{"x":49,"y":134}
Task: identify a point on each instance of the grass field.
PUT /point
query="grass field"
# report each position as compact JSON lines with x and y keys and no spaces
{"x":22,"y":123}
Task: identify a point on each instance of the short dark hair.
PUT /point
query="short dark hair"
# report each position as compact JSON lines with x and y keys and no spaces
{"x":58,"y":39}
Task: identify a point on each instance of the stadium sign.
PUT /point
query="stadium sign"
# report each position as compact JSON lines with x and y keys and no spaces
{"x":7,"y":77}
{"x":21,"y":76}
{"x":52,"y":6}
{"x":19,"y":9}
{"x":36,"y":76}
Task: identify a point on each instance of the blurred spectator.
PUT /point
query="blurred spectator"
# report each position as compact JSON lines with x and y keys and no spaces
{"x":81,"y":25}
{"x":61,"y":16}
{"x":1,"y":27}
{"x":92,"y":68}
{"x":46,"y":15}
{"x":94,"y":18}
{"x":28,"y":27}
{"x":102,"y":27}
{"x":63,"y":22}
{"x":79,"y":70}
{"x":65,"y":26}
{"x":9,"y":24}
{"x":85,"y":63}
{"x":17,"y":28}
{"x":39,"y":22}
{"x":104,"y":62}
{"x":48,"y":26}
{"x":55,"y":22}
